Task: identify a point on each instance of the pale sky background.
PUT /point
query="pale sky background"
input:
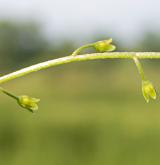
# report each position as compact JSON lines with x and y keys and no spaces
{"x":82,"y":18}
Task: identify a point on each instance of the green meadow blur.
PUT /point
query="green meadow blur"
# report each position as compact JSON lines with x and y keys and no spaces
{"x":91,"y":113}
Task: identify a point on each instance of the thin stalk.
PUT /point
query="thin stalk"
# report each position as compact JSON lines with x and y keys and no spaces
{"x":85,"y":57}
{"x":139,"y":67}
{"x":77,"y":51}
{"x":8,"y":93}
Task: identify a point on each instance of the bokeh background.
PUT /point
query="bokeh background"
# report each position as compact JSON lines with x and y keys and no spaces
{"x":91,"y":113}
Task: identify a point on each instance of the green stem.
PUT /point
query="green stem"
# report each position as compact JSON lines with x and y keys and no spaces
{"x":85,"y":57}
{"x":139,"y":67}
{"x":8,"y":93}
{"x":77,"y":51}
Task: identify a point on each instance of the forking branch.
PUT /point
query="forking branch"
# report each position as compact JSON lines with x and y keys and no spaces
{"x":105,"y":49}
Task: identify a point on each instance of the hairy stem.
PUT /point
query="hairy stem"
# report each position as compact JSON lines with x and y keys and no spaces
{"x":85,"y":57}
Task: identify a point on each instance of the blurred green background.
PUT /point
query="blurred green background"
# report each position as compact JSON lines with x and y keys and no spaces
{"x":91,"y":113}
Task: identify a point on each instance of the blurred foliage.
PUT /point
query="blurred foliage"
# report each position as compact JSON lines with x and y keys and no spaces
{"x":19,"y":43}
{"x":149,"y":42}
{"x":91,"y":113}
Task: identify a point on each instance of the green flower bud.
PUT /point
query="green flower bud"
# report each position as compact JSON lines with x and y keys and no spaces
{"x":28,"y":102}
{"x":148,"y":90}
{"x":24,"y":101}
{"x":104,"y":46}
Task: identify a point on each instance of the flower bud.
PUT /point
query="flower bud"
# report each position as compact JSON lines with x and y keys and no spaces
{"x":148,"y":90}
{"x":24,"y":101}
{"x":28,"y":102}
{"x":104,"y":46}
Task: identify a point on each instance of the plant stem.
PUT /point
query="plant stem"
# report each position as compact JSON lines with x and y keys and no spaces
{"x":139,"y":67}
{"x":8,"y":93}
{"x":77,"y":51}
{"x":85,"y":57}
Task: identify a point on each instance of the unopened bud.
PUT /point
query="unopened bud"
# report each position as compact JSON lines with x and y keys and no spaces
{"x":104,"y":46}
{"x":28,"y":102}
{"x":148,"y":90}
